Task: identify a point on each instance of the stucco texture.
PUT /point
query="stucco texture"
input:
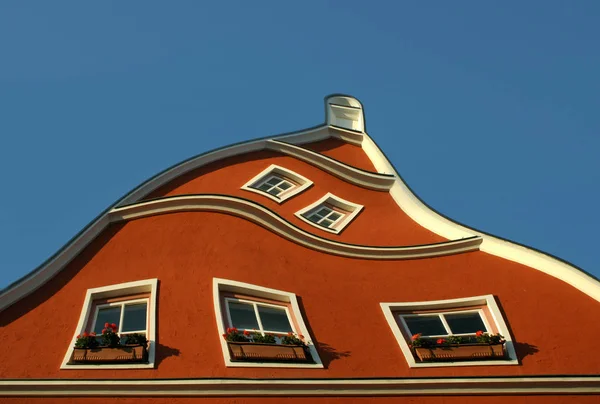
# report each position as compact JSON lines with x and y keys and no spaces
{"x":380,"y":223}
{"x":339,"y":297}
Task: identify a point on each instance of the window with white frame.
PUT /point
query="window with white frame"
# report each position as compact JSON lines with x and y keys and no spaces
{"x":325,"y":215}
{"x":130,"y":317}
{"x":459,"y":323}
{"x":257,"y":309}
{"x":277,"y":183}
{"x":130,"y":306}
{"x":330,"y":213}
{"x":439,"y":319}
{"x":262,"y":317}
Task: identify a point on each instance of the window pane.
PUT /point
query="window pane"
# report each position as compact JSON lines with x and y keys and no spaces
{"x":274,"y":319}
{"x":285,"y":185}
{"x":134,"y":317}
{"x":465,"y":323}
{"x":264,"y":187}
{"x":425,"y":325}
{"x":326,"y":223}
{"x":274,"y":181}
{"x":107,"y":315}
{"x":334,"y":216}
{"x":314,"y":218}
{"x":275,"y":191}
{"x":323,"y":212}
{"x":243,"y":316}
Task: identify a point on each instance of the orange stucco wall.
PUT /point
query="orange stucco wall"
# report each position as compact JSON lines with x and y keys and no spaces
{"x":393,"y":227}
{"x":340,"y":298}
{"x":342,"y":151}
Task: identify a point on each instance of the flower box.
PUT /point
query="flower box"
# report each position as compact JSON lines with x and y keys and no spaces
{"x":121,"y":354}
{"x":460,"y":352}
{"x":256,"y":352}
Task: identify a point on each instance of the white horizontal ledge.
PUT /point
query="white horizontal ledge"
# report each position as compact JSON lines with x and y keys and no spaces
{"x":348,"y":173}
{"x":304,"y":387}
{"x":266,"y":218}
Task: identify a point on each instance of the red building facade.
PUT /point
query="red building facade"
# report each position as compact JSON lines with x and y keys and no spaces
{"x":310,"y":238}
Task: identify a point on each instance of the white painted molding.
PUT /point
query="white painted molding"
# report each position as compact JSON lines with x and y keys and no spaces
{"x":433,"y":221}
{"x":353,"y":210}
{"x":458,"y":386}
{"x":406,"y":200}
{"x":341,"y":170}
{"x":345,"y":112}
{"x":488,"y":300}
{"x":303,"y":182}
{"x":237,"y":207}
{"x":121,"y":289}
{"x":264,"y":217}
{"x":225,"y":285}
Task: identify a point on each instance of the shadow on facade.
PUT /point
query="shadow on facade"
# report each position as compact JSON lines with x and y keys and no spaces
{"x":327,"y":353}
{"x":163,"y":352}
{"x":524,"y":349}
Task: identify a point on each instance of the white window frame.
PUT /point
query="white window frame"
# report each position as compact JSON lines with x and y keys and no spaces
{"x":330,"y":199}
{"x":114,"y":291}
{"x":255,"y":305}
{"x":299,"y":183}
{"x":286,"y":298}
{"x":122,"y":304}
{"x":393,"y":312}
{"x":441,"y":315}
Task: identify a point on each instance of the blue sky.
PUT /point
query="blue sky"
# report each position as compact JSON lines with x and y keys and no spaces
{"x":489,"y":110}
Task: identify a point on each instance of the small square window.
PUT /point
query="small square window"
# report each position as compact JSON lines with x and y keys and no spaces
{"x":277,"y":183}
{"x":330,"y":213}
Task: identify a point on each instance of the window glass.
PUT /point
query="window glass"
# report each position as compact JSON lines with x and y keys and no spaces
{"x":243,"y":316}
{"x":425,"y":325}
{"x":134,"y":317}
{"x":334,"y":216}
{"x":465,"y":323}
{"x":107,"y":315}
{"x":274,"y":181}
{"x":264,"y":187}
{"x":285,"y":185}
{"x":274,"y":319}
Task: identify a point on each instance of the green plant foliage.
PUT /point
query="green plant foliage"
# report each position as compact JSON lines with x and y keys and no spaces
{"x":263,"y":339}
{"x":292,"y":339}
{"x":109,"y":336}
{"x":86,"y":340}
{"x":136,"y":339}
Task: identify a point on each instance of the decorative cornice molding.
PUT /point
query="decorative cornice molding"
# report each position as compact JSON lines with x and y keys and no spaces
{"x":348,"y":173}
{"x":460,"y":386}
{"x":268,"y":219}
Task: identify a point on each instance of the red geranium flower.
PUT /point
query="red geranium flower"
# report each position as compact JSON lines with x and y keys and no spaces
{"x":113,"y":326}
{"x":85,"y":334}
{"x":106,"y":325}
{"x":301,"y":336}
{"x":416,"y":337}
{"x":104,"y":331}
{"x":246,"y":333}
{"x":79,"y":336}
{"x":479,"y":333}
{"x":93,"y":334}
{"x":441,"y":341}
